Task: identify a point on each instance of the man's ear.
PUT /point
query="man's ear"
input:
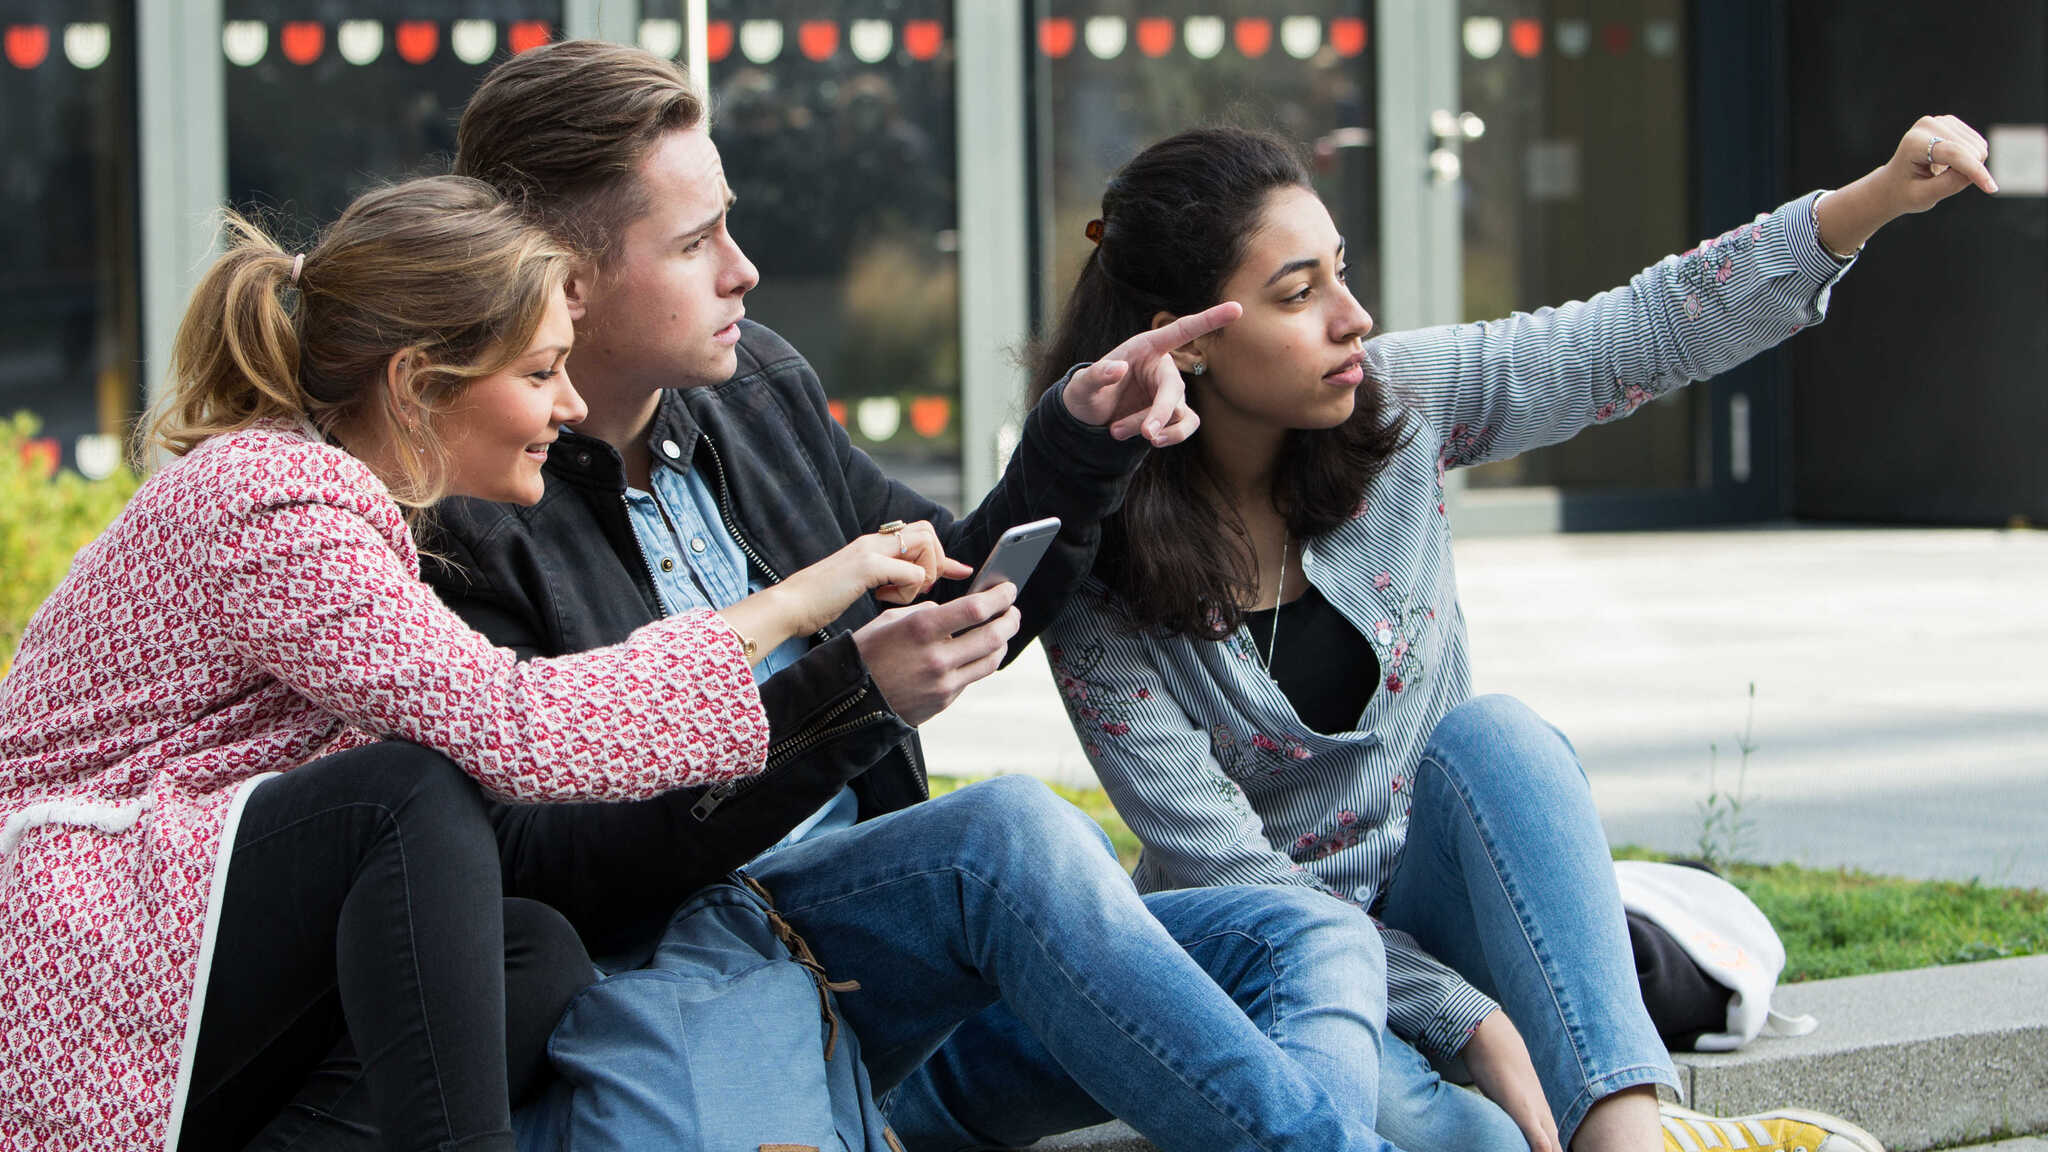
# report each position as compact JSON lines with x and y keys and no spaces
{"x":1189,"y":354}
{"x":576,"y":289}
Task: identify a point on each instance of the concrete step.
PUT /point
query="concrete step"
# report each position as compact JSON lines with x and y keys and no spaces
{"x":1926,"y":1059}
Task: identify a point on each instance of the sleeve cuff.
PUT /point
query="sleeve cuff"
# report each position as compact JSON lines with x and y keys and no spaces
{"x":1086,"y":443}
{"x":1802,"y":236}
{"x":1456,"y":1018}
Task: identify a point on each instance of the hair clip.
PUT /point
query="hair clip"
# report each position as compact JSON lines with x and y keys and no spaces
{"x":1095,"y":231}
{"x":298,"y":265}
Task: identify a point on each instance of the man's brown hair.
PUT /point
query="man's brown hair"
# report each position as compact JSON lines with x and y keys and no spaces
{"x":561,"y":129}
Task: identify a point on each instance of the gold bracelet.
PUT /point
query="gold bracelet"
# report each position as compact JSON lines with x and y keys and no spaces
{"x":748,"y":649}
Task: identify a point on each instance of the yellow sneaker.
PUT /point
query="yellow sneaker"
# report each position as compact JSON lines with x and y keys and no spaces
{"x":1779,"y":1130}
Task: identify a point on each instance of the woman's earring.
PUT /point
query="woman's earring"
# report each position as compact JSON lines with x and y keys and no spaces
{"x":1198,"y":367}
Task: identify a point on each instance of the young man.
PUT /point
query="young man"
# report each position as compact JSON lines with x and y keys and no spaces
{"x":709,"y":467}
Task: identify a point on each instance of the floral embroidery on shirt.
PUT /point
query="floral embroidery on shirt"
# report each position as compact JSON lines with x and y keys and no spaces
{"x":1462,"y":446}
{"x":1623,"y":400}
{"x":1313,"y":846}
{"x":1708,"y":267}
{"x":1093,"y":703}
{"x":1395,"y":639}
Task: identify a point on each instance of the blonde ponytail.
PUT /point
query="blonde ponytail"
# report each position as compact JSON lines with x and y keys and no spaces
{"x":236,"y":357}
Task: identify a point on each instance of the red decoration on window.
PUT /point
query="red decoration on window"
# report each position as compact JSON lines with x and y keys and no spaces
{"x":41,"y":454}
{"x":1253,"y":36}
{"x":1056,"y":37}
{"x":718,"y":40}
{"x":819,"y":39}
{"x":1348,"y":36}
{"x":28,"y":45}
{"x":1155,"y":36}
{"x":923,"y":38}
{"x":302,"y":41}
{"x":527,"y":34}
{"x":1526,"y":36}
{"x":1615,"y":37}
{"x":929,"y":415}
{"x":418,"y":40}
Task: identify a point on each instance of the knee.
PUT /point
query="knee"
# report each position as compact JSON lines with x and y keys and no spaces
{"x":1314,"y":931}
{"x":545,"y":967}
{"x":1500,"y":740}
{"x":1020,"y":821}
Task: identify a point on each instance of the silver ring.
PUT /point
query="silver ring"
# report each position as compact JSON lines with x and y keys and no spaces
{"x":1930,"y":150}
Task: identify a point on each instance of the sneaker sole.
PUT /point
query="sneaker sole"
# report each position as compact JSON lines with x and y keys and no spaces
{"x":1822,"y":1120}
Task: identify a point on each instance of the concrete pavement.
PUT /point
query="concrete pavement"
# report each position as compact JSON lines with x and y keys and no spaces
{"x":1901,"y":688}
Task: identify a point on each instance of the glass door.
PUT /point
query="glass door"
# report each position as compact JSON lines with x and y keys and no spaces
{"x":1566,"y":136}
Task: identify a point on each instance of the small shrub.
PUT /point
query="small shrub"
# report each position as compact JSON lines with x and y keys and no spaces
{"x":46,"y":515}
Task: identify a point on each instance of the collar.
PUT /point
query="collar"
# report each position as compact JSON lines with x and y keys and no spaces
{"x":589,"y":462}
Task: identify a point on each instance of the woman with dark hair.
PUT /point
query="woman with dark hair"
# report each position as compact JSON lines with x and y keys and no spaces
{"x":1268,"y":667}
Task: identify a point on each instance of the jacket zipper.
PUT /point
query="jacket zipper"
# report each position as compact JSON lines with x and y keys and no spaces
{"x":816,"y":734}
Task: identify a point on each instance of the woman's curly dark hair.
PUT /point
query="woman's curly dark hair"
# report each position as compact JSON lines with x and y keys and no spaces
{"x":1176,"y":222}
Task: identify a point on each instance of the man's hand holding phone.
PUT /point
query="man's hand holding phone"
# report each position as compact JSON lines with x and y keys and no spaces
{"x":923,"y":656}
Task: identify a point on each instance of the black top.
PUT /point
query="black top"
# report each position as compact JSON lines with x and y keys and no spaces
{"x":1317,"y":644}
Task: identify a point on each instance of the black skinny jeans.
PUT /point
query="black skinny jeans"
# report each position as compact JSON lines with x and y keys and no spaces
{"x":370,"y":987}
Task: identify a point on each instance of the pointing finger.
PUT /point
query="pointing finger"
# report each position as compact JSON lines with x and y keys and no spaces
{"x":1168,"y":337}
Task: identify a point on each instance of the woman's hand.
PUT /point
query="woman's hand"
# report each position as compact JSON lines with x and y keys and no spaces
{"x":1908,"y":182}
{"x":898,"y":566}
{"x":1500,"y":1066}
{"x":1136,"y":389}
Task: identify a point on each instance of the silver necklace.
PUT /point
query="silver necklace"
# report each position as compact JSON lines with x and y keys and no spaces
{"x":1279,"y":590}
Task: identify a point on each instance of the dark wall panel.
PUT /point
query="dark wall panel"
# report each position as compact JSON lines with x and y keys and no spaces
{"x":1924,"y":398}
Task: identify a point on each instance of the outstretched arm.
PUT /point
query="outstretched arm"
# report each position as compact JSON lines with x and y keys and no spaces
{"x":1502,"y":387}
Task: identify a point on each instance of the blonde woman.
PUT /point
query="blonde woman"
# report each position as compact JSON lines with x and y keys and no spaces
{"x":248,"y":896}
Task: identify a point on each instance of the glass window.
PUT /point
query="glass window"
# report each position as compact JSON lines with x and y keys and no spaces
{"x":1581,"y":178}
{"x":369,"y":91}
{"x":69,"y":344}
{"x":1111,"y":76}
{"x":836,"y":124}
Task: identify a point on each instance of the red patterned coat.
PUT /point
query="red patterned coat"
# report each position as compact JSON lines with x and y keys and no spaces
{"x":255,"y":607}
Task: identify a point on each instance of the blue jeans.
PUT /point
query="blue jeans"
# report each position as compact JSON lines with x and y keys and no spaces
{"x":1003,"y":891}
{"x":1506,"y":877}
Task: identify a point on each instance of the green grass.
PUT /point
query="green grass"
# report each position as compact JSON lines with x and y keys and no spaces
{"x":1834,"y":922}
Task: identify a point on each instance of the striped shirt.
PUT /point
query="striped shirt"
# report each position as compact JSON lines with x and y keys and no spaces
{"x":1199,"y":749}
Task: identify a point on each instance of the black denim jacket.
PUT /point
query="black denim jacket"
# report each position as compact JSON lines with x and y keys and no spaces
{"x":567,"y":574}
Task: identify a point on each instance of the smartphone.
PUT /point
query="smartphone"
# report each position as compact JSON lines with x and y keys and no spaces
{"x":1016,"y":553}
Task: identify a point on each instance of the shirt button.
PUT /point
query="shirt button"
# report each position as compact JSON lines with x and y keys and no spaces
{"x":667,"y":564}
{"x":1384,"y":636}
{"x":1307,"y":561}
{"x":697,"y":544}
{"x":1362,"y":892}
{"x":669,"y":449}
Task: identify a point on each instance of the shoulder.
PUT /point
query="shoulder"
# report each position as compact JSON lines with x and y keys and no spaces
{"x":271,"y":465}
{"x":763,"y":352}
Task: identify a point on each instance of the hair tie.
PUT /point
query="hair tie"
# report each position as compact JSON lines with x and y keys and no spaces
{"x":1094,"y":231}
{"x":298,"y":262}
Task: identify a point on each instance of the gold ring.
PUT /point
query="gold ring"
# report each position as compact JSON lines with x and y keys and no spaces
{"x":895,"y":528}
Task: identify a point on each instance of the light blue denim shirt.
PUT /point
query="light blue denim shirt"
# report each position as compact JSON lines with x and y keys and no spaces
{"x":696,"y":563}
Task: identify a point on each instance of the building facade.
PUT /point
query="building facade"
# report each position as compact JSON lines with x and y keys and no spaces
{"x":914,"y":177}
